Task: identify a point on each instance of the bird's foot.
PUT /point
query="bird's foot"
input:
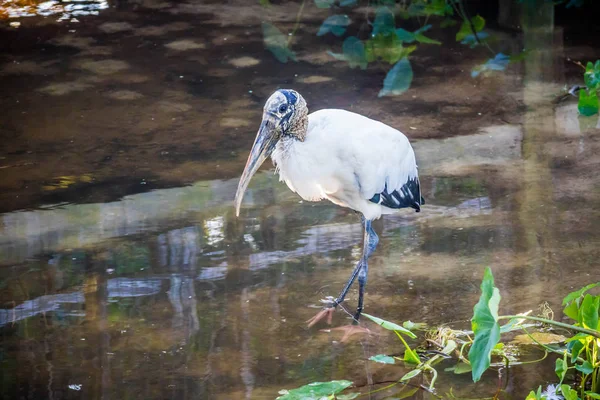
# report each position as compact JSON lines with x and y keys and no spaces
{"x":350,"y":330}
{"x":327,"y":312}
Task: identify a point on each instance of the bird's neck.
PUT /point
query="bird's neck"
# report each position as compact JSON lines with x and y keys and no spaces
{"x":299,"y":126}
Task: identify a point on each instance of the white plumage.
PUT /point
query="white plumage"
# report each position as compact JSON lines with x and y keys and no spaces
{"x":341,"y":156}
{"x":346,"y":158}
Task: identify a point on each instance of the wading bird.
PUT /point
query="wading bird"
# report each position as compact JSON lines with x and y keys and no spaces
{"x":338,"y":155}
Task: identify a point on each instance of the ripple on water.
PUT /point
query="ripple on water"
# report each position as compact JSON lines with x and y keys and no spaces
{"x":113,"y":27}
{"x":125,"y":95}
{"x":185,"y":45}
{"x":103,"y":67}
{"x":244,"y":62}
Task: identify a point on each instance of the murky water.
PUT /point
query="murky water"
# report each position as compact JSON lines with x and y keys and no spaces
{"x":124,"y":272}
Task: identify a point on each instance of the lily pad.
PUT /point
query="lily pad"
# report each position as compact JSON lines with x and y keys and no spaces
{"x":383,"y":359}
{"x":314,"y":391}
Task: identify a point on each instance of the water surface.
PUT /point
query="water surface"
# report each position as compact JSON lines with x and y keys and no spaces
{"x":124,"y":272}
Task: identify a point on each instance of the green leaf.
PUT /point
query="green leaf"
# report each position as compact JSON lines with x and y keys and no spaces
{"x":405,"y":35}
{"x":575,"y":348}
{"x":390,"y":326}
{"x":410,"y":375}
{"x":414,"y":325}
{"x":324,"y":3}
{"x":383,"y":359}
{"x":589,"y":309}
{"x":277,"y":43}
{"x":398,"y":79}
{"x":335,"y":24}
{"x":384,"y":22}
{"x":462,"y":368}
{"x":578,"y":293}
{"x":498,"y":63}
{"x":315,"y":390}
{"x":568,"y":393}
{"x":354,"y":53}
{"x":348,"y":396}
{"x":592,"y":75}
{"x":593,"y":395}
{"x":572,"y":310}
{"x":348,"y":3}
{"x":465,"y":29}
{"x":387,"y":48}
{"x":535,"y":396}
{"x":424,"y":39}
{"x":560,"y":368}
{"x":485,"y":326}
{"x":588,"y":102}
{"x":586,"y":368}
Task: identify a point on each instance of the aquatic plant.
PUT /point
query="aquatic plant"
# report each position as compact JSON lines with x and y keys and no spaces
{"x":577,"y":368}
{"x":383,"y":37}
{"x":588,"y":96}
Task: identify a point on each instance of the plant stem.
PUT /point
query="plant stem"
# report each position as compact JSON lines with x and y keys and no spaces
{"x":590,"y":332}
{"x":297,"y":22}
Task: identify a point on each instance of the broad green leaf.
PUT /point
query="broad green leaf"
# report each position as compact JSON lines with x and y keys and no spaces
{"x":390,"y":326}
{"x":465,"y":29}
{"x":593,"y":395}
{"x":398,"y":79}
{"x":589,"y":309}
{"x":575,"y":348}
{"x":432,"y":7}
{"x":384,"y":22}
{"x":277,"y":43}
{"x":572,"y":310}
{"x":348,"y":3}
{"x":568,"y":393}
{"x":485,"y":326}
{"x":387,"y":48}
{"x":592,"y":75}
{"x":315,"y":390}
{"x":405,"y":35}
{"x":324,"y":3}
{"x":424,"y":39}
{"x":560,"y":368}
{"x":335,"y":24}
{"x":535,"y":395}
{"x":410,"y":356}
{"x":586,"y":367}
{"x":498,"y":63}
{"x":353,"y":53}
{"x":383,"y":359}
{"x":588,"y":102}
{"x":410,"y":375}
{"x":578,"y":293}
{"x":462,"y":368}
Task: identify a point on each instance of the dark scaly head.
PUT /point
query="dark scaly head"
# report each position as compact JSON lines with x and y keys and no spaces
{"x":285,"y":115}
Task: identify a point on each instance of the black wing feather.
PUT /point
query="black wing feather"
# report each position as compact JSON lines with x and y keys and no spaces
{"x":409,"y":195}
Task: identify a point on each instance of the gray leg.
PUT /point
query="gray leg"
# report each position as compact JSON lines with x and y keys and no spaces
{"x":371,"y":241}
{"x":362,"y":268}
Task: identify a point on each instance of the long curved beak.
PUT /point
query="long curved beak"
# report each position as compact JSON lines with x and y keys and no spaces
{"x":263,"y":146}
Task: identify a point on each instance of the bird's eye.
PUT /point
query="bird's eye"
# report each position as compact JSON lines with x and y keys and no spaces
{"x":283,"y":108}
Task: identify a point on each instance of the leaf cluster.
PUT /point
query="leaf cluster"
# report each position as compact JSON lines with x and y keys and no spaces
{"x":588,"y":97}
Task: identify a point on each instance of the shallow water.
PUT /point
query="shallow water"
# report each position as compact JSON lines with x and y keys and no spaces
{"x":124,"y":272}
